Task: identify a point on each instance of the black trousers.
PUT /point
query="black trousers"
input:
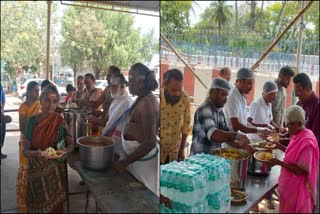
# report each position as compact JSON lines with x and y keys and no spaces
{"x":3,"y":130}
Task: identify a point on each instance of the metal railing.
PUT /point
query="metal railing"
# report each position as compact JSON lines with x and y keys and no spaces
{"x":240,"y":50}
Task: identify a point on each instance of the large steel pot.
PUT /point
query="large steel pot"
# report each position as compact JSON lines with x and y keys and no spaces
{"x":93,"y":156}
{"x":238,"y":167}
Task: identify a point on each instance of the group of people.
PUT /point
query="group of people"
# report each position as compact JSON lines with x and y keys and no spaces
{"x":223,"y":120}
{"x":41,"y":181}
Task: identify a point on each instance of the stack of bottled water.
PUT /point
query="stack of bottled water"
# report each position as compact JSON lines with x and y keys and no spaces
{"x":199,"y":184}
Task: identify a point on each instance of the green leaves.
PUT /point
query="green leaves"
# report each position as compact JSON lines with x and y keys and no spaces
{"x":102,"y":38}
{"x":175,"y":15}
{"x":22,"y":43}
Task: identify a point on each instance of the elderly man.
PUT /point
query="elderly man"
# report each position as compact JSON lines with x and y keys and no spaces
{"x":260,"y":110}
{"x":75,"y":98}
{"x":175,"y":117}
{"x":105,"y":97}
{"x":91,"y":93}
{"x":119,"y":108}
{"x":236,"y":106}
{"x":309,"y":101}
{"x":210,"y":128}
{"x":139,"y":138}
{"x":225,"y":73}
{"x":279,"y":103}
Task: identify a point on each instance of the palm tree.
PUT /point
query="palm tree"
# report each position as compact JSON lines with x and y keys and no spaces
{"x":192,"y":9}
{"x":252,"y":15}
{"x":278,"y":21}
{"x":221,"y":13}
{"x":237,"y":16}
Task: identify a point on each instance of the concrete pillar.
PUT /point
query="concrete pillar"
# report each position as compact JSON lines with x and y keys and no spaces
{"x":289,"y":91}
{"x":215,"y":71}
{"x":188,"y":81}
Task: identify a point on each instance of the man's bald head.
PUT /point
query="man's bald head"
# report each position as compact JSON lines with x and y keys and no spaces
{"x":225,"y":73}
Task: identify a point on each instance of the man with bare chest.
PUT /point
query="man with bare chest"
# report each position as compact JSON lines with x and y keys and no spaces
{"x":139,"y":139}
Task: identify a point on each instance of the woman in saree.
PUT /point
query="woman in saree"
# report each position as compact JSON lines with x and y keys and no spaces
{"x":299,"y":168}
{"x":27,"y":109}
{"x":46,"y":186}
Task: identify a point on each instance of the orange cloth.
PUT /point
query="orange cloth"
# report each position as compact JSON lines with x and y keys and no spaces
{"x":25,"y":112}
{"x":46,"y":132}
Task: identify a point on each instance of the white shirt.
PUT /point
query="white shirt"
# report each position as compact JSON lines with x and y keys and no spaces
{"x":236,"y":107}
{"x":261,"y":113}
{"x":117,"y":107}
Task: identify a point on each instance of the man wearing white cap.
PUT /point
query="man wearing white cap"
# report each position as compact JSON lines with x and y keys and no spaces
{"x":210,"y":128}
{"x":260,"y":111}
{"x":236,"y":106}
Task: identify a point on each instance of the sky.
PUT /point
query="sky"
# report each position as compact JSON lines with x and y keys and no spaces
{"x":146,"y":23}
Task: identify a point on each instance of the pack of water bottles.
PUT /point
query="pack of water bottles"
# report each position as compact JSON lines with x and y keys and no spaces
{"x":199,"y":184}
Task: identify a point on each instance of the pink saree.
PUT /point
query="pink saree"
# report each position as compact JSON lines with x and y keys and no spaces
{"x":298,"y":193}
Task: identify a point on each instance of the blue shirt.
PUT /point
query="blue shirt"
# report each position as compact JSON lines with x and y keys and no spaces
{"x":2,"y":96}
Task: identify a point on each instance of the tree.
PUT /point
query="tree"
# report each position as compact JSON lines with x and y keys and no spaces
{"x":174,"y":15}
{"x":23,"y":34}
{"x":237,"y":16}
{"x":252,"y":15}
{"x":98,"y":39}
{"x":218,"y":12}
{"x":278,"y":20}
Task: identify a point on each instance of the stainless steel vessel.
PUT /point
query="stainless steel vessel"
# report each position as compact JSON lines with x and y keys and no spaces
{"x":76,"y":122}
{"x":96,"y":157}
{"x":238,"y":168}
{"x":256,"y":167}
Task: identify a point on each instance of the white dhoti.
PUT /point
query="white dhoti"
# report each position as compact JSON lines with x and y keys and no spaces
{"x":145,"y":170}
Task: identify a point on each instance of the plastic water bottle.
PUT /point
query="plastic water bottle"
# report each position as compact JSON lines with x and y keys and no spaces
{"x":164,"y":209}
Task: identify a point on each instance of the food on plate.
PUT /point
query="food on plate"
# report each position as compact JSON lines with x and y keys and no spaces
{"x":62,"y":105}
{"x":264,"y":145}
{"x":238,"y":196}
{"x":51,"y":151}
{"x":263,"y":156}
{"x":274,"y":137}
{"x":73,"y":105}
{"x":270,"y":145}
{"x":230,"y":154}
{"x":260,"y":144}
